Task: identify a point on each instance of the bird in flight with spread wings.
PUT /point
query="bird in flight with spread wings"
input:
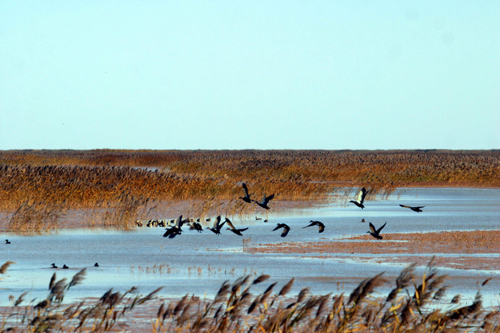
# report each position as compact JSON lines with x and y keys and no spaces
{"x":361,"y":198}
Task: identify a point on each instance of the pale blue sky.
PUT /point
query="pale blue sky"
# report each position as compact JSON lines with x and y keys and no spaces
{"x":249,"y":74}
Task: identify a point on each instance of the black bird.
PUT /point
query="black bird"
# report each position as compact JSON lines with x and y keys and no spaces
{"x":318,"y":223}
{"x":285,"y":227}
{"x":65,"y":267}
{"x":265,"y":201}
{"x":96,"y":265}
{"x":363,"y":221}
{"x":233,"y":228}
{"x":7,"y":241}
{"x":376,"y":232}
{"x":415,"y":209}
{"x":217,"y":226}
{"x":361,"y":198}
{"x":196,"y":226}
{"x":247,"y":196}
{"x":176,"y":229}
{"x":54,"y":265}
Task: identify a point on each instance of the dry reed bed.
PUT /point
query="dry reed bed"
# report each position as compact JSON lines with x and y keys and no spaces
{"x":38,"y":187}
{"x":415,"y":304}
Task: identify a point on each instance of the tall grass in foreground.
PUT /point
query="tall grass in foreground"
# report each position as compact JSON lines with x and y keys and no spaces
{"x":415,"y":304}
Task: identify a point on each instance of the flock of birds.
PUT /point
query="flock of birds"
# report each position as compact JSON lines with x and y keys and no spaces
{"x":66,"y":267}
{"x":176,"y":229}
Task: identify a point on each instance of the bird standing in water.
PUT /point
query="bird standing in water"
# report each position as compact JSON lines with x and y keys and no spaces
{"x":7,"y":241}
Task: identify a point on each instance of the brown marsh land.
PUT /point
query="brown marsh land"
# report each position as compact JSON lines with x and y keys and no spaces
{"x":114,"y":188}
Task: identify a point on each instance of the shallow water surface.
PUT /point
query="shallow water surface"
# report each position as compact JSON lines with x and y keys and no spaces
{"x":198,"y":263}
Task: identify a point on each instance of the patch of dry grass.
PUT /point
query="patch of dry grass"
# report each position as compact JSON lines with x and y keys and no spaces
{"x":34,"y":183}
{"x":414,"y":304}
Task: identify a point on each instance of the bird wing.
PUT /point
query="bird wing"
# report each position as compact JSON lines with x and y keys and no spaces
{"x":269,"y":198}
{"x":420,"y":207}
{"x":372,"y":228}
{"x":362,"y":195}
{"x":404,"y":206}
{"x":321,"y":227}
{"x":286,"y":229}
{"x":279,"y":225}
{"x":263,"y":202}
{"x":245,"y":188}
{"x":240,"y":230}
{"x":216,"y":222}
{"x":178,"y":222}
{"x":382,"y":227}
{"x":229,"y":223}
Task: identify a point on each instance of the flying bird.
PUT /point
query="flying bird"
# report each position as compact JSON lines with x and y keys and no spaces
{"x":415,"y":209}
{"x":265,"y":201}
{"x":247,"y":196}
{"x":318,"y":223}
{"x":376,"y":232}
{"x":175,"y":230}
{"x":285,"y":227}
{"x":361,"y":198}
{"x":196,"y":226}
{"x":217,"y":226}
{"x":233,"y":228}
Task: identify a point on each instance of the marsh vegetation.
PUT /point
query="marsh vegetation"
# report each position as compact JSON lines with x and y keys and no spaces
{"x":414,"y":304}
{"x":114,"y":188}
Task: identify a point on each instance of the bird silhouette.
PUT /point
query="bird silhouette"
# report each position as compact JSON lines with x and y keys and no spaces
{"x":7,"y":241}
{"x":54,"y":265}
{"x":362,"y":221}
{"x":96,"y":265}
{"x":247,"y":196}
{"x":217,"y":226}
{"x":415,"y":209}
{"x":361,"y":198}
{"x":233,"y":228}
{"x":265,"y":201}
{"x":65,"y":267}
{"x":176,"y":229}
{"x":376,"y":232}
{"x":196,"y":226}
{"x":318,"y":223}
{"x":285,"y":227}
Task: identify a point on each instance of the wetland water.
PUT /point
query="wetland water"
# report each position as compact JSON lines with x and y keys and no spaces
{"x":198,"y":263}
